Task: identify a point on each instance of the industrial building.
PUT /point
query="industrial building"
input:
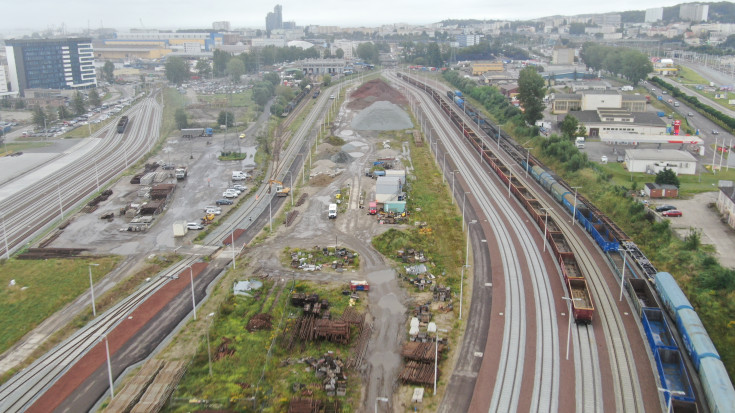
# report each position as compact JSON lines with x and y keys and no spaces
{"x":479,"y":68}
{"x":50,"y":64}
{"x":694,"y":12}
{"x":606,"y":122}
{"x":597,"y":99}
{"x":653,"y":161}
{"x":726,"y":202}
{"x":655,"y":14}
{"x":321,"y":66}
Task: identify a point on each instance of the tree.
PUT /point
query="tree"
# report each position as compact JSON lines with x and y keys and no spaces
{"x":77,"y":104}
{"x":177,"y":71}
{"x":272,"y":78}
{"x":226,"y":118}
{"x":64,"y":112}
{"x":667,"y":177}
{"x":219,"y":61}
{"x":530,"y":94}
{"x":339,"y":53}
{"x":569,"y":126}
{"x":203,"y":68}
{"x":20,"y":104}
{"x":235,"y":69}
{"x":39,"y":117}
{"x":51,"y":114}
{"x":326,"y":80}
{"x":181,"y":120}
{"x":368,"y":52}
{"x":108,"y":71}
{"x":94,"y":98}
{"x":636,"y":66}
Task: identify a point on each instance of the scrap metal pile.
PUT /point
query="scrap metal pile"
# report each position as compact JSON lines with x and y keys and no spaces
{"x":260,"y":322}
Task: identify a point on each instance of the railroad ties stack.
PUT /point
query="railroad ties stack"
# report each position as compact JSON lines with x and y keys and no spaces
{"x":718,"y":389}
{"x":149,"y":389}
{"x":419,"y":361}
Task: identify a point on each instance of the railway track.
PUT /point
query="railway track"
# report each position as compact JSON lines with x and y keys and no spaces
{"x":589,"y":387}
{"x":523,"y":266}
{"x":24,"y":388}
{"x":31,"y":210}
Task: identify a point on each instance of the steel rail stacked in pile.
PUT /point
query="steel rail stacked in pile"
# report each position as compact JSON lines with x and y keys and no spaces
{"x":717,"y":386}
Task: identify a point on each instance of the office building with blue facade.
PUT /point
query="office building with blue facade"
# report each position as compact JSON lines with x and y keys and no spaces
{"x":50,"y":64}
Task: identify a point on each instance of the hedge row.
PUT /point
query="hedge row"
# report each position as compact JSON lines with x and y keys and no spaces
{"x":715,"y":115}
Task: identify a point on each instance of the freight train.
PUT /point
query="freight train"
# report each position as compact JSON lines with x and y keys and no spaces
{"x":718,"y":389}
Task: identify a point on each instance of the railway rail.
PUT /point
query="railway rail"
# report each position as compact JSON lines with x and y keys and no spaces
{"x":29,"y":384}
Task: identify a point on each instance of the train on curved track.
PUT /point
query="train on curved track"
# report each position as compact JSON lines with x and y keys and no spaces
{"x":718,"y":389}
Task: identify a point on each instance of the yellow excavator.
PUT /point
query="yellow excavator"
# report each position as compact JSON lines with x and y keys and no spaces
{"x":280,"y":189}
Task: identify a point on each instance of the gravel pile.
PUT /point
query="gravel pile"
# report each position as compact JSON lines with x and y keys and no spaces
{"x":382,"y":116}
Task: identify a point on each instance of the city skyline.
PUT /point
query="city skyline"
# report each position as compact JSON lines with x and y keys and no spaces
{"x":169,"y":14}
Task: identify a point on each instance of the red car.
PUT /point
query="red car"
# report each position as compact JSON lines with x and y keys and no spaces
{"x":672,"y":213}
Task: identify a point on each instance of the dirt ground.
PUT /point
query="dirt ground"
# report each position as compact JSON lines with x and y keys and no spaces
{"x":354,"y":229}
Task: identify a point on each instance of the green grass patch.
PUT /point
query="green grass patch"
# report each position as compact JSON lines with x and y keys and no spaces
{"x":442,"y":240}
{"x":235,"y":100}
{"x":260,"y":374}
{"x":232,"y":156}
{"x":334,"y":140}
{"x":41,"y":289}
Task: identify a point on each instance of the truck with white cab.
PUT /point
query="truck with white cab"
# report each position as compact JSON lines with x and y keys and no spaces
{"x":332,"y":212}
{"x":579,"y":142}
{"x":239,"y":176}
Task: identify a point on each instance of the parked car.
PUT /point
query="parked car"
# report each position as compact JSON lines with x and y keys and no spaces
{"x":223,"y":202}
{"x":194,"y":225}
{"x":215,"y":211}
{"x":230,"y":194}
{"x":241,"y":188}
{"x":690,"y":114}
{"x":662,"y":208}
{"x":672,"y":213}
{"x":715,"y":132}
{"x":233,"y":189}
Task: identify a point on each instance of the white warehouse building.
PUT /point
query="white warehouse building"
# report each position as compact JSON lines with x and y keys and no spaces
{"x":653,"y":161}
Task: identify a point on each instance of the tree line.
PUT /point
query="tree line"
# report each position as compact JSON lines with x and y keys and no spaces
{"x":620,"y":61}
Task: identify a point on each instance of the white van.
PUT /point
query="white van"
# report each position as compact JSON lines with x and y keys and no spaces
{"x":239,"y":176}
{"x":579,"y":142}
{"x":332,"y":212}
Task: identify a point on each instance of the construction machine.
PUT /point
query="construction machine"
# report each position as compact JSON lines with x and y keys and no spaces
{"x":208,"y":219}
{"x":280,"y":189}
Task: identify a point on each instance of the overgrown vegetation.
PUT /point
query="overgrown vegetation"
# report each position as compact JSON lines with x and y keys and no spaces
{"x":261,"y":372}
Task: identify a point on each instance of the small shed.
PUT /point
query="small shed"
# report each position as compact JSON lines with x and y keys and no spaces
{"x":397,"y":207}
{"x":655,"y":190}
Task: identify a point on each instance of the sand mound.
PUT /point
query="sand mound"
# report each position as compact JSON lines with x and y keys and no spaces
{"x":382,"y":116}
{"x":373,"y":91}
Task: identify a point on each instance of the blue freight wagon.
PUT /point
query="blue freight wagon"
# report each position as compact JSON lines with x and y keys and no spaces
{"x":657,"y":330}
{"x":670,"y":294}
{"x":717,"y":386}
{"x":673,"y":375}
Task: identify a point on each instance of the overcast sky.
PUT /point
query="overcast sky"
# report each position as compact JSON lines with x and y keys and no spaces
{"x":22,"y":16}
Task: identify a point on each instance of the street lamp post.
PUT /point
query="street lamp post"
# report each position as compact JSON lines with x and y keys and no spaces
{"x":109,"y":369}
{"x":464,"y":199}
{"x":380,"y":399}
{"x":546,"y":224}
{"x":232,"y":244}
{"x":436,"y":356}
{"x":622,"y":277}
{"x":290,"y":183}
{"x":528,"y":158}
{"x":193,"y":300}
{"x":444,"y":166}
{"x":670,"y":392}
{"x":574,"y":210}
{"x":5,"y":235}
{"x":453,"y":173}
{"x":91,"y":288}
{"x":569,"y":330}
{"x":510,"y":178}
{"x":466,"y":265}
{"x":209,"y":351}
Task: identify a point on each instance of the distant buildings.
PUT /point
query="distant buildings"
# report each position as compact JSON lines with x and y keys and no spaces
{"x":274,"y":19}
{"x":222,"y":26}
{"x":694,"y":12}
{"x":464,"y":40}
{"x":562,"y":56}
{"x":655,"y":14}
{"x":50,"y":64}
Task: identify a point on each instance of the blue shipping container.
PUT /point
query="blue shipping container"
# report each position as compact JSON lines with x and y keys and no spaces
{"x":717,"y":386}
{"x":695,"y":337}
{"x":671,"y":295}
